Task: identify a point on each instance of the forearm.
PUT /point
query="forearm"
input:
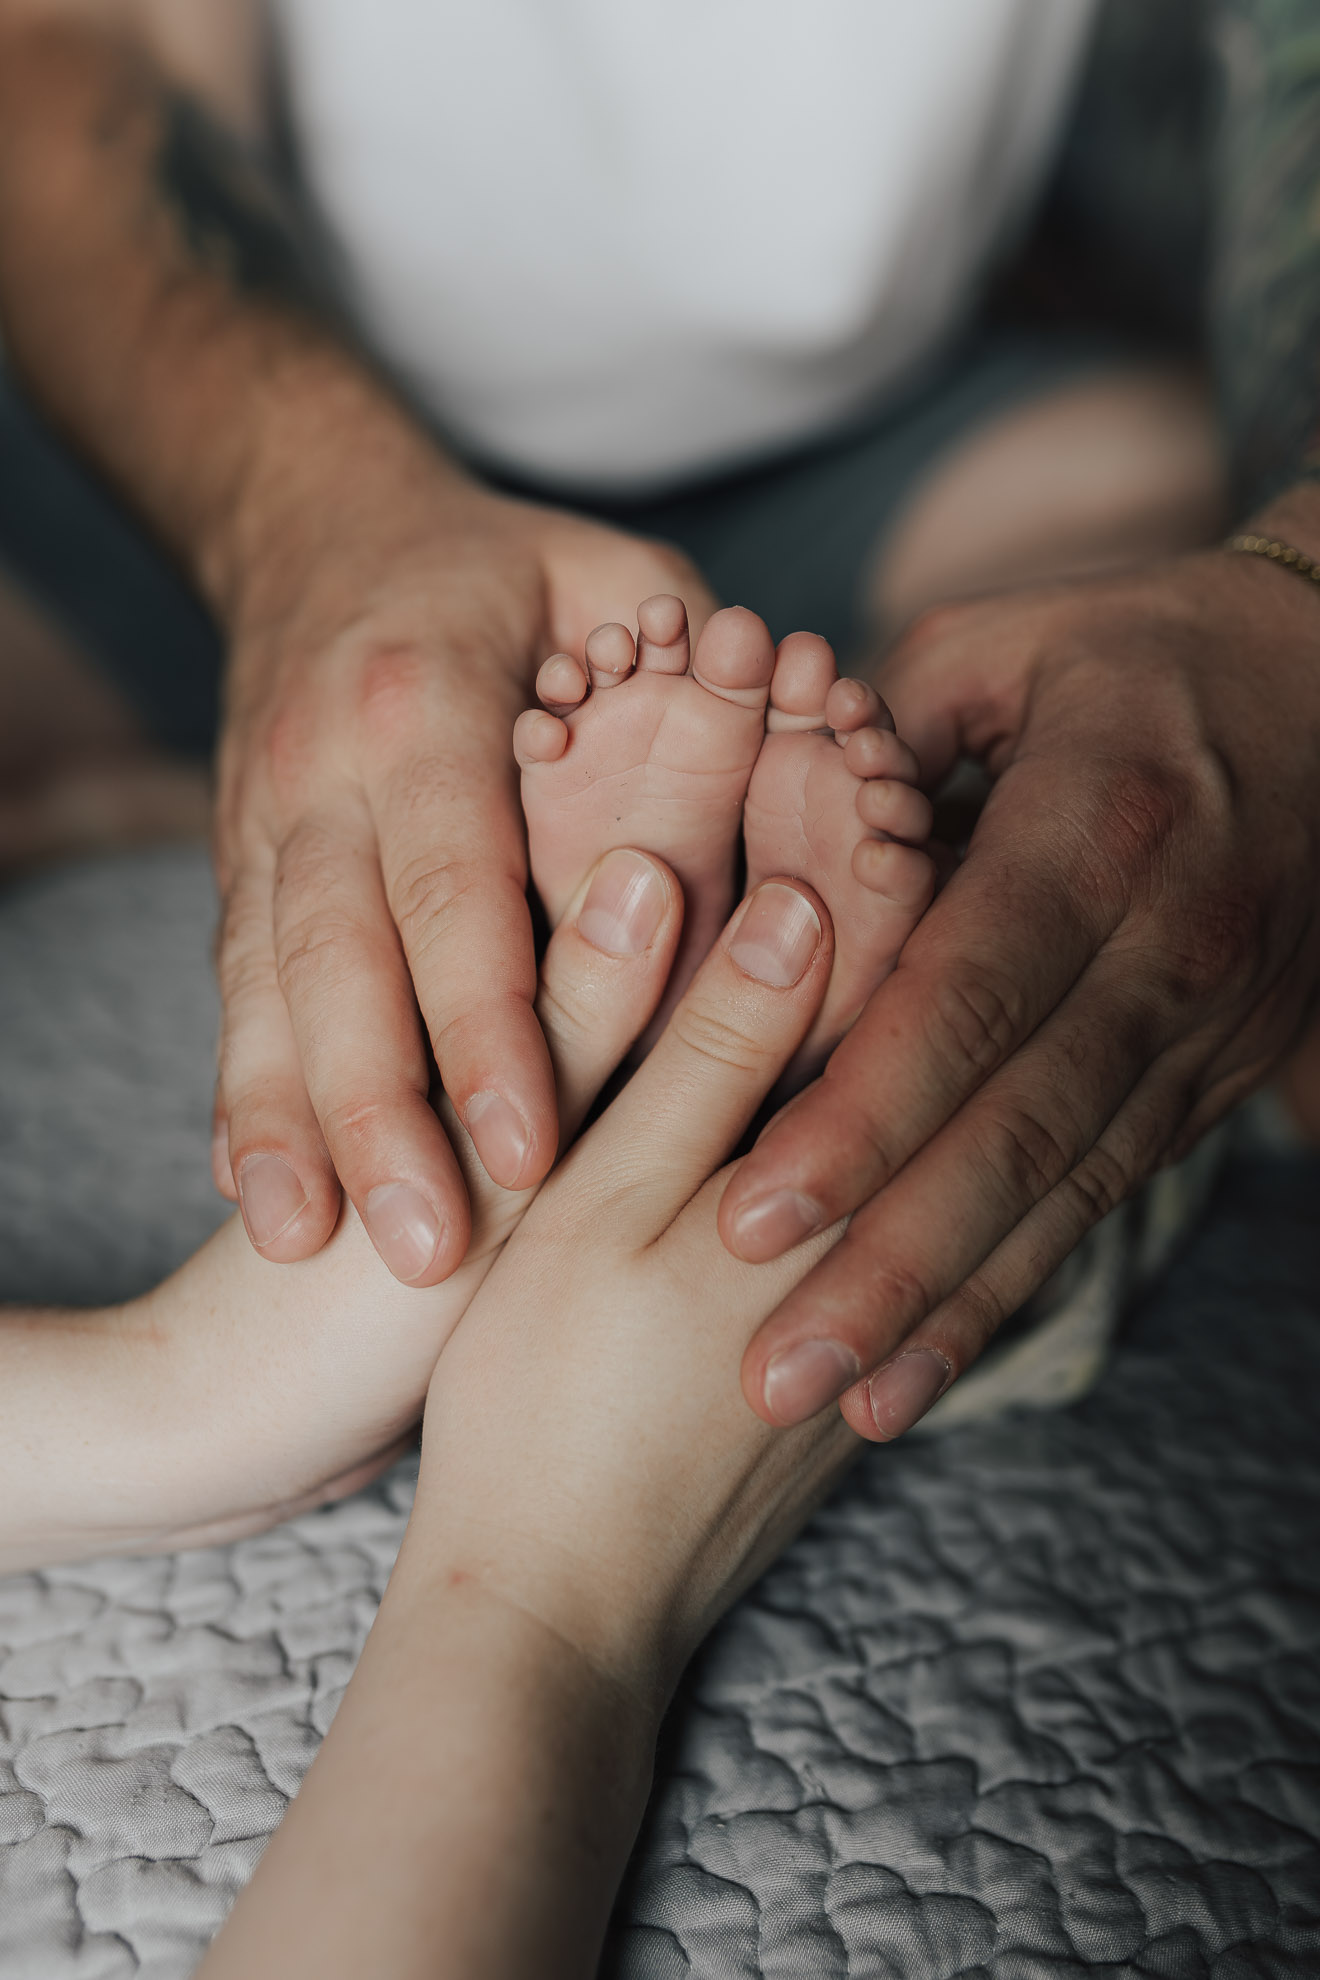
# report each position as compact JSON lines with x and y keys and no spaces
{"x":236,"y":1394}
{"x":159,"y":299}
{"x":471,"y":1814}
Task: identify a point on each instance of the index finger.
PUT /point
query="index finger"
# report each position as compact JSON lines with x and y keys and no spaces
{"x":454,"y":862}
{"x":998,"y":950}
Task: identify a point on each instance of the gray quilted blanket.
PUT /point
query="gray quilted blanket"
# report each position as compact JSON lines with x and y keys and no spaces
{"x":1038,"y":1698}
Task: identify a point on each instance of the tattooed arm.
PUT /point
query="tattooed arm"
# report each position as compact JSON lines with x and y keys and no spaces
{"x":384,"y":615}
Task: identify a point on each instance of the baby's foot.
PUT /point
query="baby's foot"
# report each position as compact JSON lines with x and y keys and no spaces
{"x":645,"y":748}
{"x":841,"y":811}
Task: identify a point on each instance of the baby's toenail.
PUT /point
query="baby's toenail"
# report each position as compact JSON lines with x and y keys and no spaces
{"x":777,"y":936}
{"x":625,"y":905}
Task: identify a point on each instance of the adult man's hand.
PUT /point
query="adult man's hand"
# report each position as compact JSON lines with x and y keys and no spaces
{"x":165,"y":302}
{"x":370,"y":843}
{"x":1130,"y":943}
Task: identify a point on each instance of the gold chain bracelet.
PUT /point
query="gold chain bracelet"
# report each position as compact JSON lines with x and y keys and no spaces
{"x":1285,"y":554}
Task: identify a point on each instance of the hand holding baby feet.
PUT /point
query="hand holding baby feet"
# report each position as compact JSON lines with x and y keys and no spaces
{"x":833,"y":801}
{"x":652,"y":745}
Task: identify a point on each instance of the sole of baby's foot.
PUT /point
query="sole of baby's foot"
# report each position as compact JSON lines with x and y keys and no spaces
{"x":833,"y":801}
{"x":650,"y":744}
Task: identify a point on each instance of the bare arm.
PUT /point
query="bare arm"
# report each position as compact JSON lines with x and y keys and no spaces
{"x":594,"y":1492}
{"x":237,"y":1394}
{"x":384,"y":616}
{"x":157,"y":295}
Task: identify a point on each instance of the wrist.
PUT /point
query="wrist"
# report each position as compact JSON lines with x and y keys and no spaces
{"x":471,"y":1811}
{"x":333,"y":461}
{"x":1292,"y":517}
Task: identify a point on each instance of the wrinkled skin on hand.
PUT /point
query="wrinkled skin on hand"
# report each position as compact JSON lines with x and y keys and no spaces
{"x":370,"y":847}
{"x":1129,"y":945}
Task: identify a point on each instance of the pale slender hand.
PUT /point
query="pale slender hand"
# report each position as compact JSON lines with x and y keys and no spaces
{"x":1130,"y":943}
{"x":239,"y":1393}
{"x":371,"y":851}
{"x":594,"y":1492}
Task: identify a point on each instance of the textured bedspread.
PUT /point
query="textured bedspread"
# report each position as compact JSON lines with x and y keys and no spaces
{"x":1034,"y":1699}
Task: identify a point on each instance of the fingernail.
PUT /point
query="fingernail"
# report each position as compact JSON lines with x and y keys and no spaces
{"x":624,"y":907}
{"x":500,"y":1135}
{"x":800,"y":1381}
{"x":773,"y":1224}
{"x":271,"y":1196}
{"x":777,"y":937}
{"x":404,"y":1229}
{"x":904,"y":1389}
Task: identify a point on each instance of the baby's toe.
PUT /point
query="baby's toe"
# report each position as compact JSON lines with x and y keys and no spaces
{"x":663,"y":646}
{"x":610,"y":655}
{"x":538,"y":737}
{"x":735,"y":657}
{"x":804,"y":676}
{"x":880,"y":753}
{"x":852,"y":705}
{"x":899,"y":874}
{"x":561,"y":681}
{"x":885,"y":805}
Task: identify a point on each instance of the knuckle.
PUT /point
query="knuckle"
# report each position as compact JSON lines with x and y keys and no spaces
{"x":1216,"y":946}
{"x":712,"y":1038}
{"x":576,"y":1030}
{"x":933,"y":626}
{"x":855,"y":1127}
{"x":289,"y":743}
{"x":975,"y":1019}
{"x":1024,"y":1153}
{"x":432,"y":898}
{"x":978,"y":1313}
{"x":898,"y":1293}
{"x":391,"y":690}
{"x":1098,"y":1184}
{"x":352,"y":1126}
{"x":246,"y":977}
{"x":309,"y":864}
{"x":317,"y":947}
{"x":244,"y":955}
{"x":424,"y":895}
{"x":1146,"y":804}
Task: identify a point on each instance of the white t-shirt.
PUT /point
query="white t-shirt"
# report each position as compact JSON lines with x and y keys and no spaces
{"x":618,"y":243}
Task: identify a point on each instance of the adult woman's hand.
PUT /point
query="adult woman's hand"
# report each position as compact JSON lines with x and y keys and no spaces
{"x":1130,"y":942}
{"x":312,"y":1380}
{"x":594,"y":1491}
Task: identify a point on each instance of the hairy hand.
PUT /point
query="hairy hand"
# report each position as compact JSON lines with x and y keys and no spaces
{"x":371,"y":854}
{"x":1129,"y":944}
